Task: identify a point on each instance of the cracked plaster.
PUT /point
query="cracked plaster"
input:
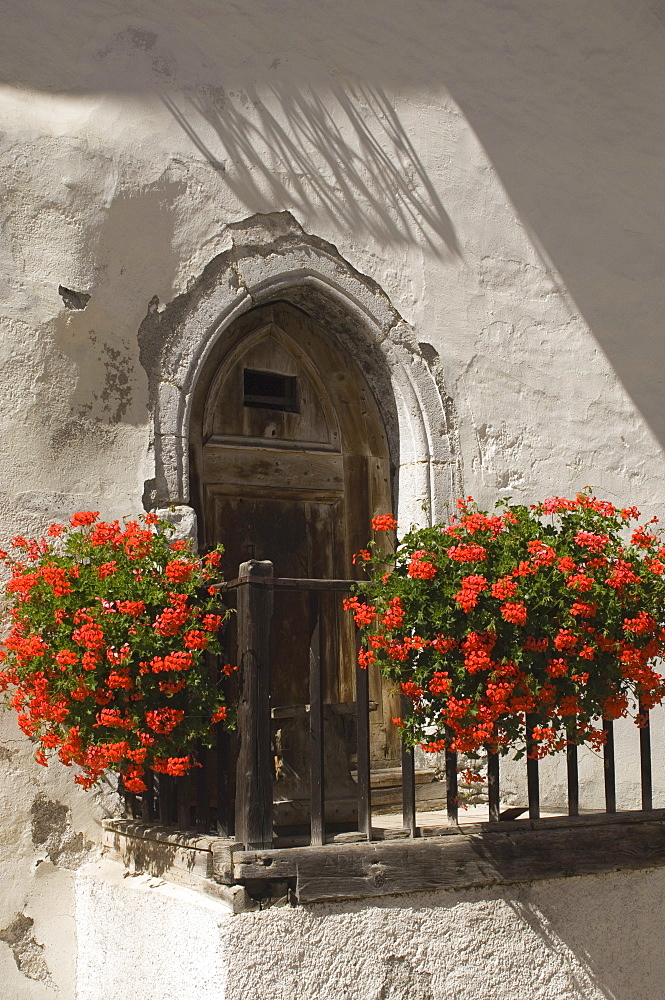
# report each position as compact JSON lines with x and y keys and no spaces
{"x":28,"y":953}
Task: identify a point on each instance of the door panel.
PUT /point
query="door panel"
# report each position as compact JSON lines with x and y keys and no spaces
{"x":296,"y":536}
{"x":298,"y":487}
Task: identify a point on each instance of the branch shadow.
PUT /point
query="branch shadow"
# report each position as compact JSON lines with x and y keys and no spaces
{"x":344,"y":154}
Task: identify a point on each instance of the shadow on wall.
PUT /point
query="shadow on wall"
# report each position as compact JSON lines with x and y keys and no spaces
{"x":610,"y":929}
{"x":566,"y":99}
{"x":343,"y":153}
{"x":589,"y":938}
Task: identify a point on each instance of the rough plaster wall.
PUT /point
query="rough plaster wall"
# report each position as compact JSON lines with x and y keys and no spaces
{"x":380,"y":132}
{"x":478,"y":164}
{"x":49,"y":827}
{"x":496,"y":168}
{"x":139,"y":937}
{"x":591,"y":938}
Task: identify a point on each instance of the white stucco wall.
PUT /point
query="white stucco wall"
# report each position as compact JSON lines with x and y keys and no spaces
{"x":590,"y":938}
{"x":496,"y":171}
{"x":495,"y":168}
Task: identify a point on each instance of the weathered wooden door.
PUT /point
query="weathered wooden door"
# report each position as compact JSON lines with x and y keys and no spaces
{"x":289,"y":463}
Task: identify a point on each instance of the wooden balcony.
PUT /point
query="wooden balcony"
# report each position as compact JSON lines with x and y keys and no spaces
{"x":258,"y":825}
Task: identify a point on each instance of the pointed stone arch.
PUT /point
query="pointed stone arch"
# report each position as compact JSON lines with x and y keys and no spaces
{"x":273,"y":259}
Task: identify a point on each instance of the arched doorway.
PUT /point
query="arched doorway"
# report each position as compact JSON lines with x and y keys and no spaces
{"x":289,"y":461}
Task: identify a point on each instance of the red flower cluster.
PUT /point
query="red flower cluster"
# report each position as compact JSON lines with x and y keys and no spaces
{"x":467,"y":553}
{"x":384,"y":522}
{"x":419,"y":567}
{"x":472,"y":588}
{"x":101,"y":642}
{"x":456,"y":642}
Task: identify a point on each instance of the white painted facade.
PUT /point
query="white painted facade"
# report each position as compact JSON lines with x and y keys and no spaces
{"x":574,"y":939}
{"x":479,"y":187}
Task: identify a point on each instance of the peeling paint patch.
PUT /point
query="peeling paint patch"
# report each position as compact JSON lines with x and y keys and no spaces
{"x":112,"y":402}
{"x":28,"y":954}
{"x":72,"y":299}
{"x":149,"y":498}
{"x":52,"y":831}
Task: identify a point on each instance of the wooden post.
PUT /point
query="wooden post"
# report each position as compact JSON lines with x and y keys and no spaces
{"x":165,"y":790}
{"x":183,"y":792}
{"x":254,"y":781}
{"x":148,"y":799}
{"x":202,"y":791}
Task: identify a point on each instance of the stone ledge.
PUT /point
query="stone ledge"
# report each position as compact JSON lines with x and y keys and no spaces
{"x":202,"y":863}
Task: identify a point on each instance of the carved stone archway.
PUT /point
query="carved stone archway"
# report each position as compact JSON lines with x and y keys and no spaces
{"x":273,"y":259}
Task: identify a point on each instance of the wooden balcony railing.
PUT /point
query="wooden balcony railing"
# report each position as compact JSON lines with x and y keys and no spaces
{"x":231,"y":794}
{"x":223,"y":822}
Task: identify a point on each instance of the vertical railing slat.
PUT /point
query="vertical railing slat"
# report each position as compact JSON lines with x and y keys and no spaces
{"x":148,"y":798}
{"x":166,"y":800}
{"x":364,"y":778}
{"x":609,"y":768}
{"x":128,"y":799}
{"x":532,"y":777}
{"x":225,"y":817}
{"x":226,"y":739}
{"x":182,"y":789}
{"x":316,"y":723}
{"x":254,"y":782}
{"x":408,"y":779}
{"x":493,"y":792}
{"x":572,"y":774}
{"x":202,"y":791}
{"x":452,"y":790}
{"x":645,"y":761}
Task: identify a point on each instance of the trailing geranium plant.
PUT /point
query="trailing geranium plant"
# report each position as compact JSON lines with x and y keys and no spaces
{"x":556,"y":610}
{"x":105,"y":660}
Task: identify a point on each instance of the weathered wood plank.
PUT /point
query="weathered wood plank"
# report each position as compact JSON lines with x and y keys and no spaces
{"x":547,"y":823}
{"x":391,"y":777}
{"x":274,"y":469}
{"x":355,"y":871}
{"x":161,"y":834}
{"x":254,"y":768}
